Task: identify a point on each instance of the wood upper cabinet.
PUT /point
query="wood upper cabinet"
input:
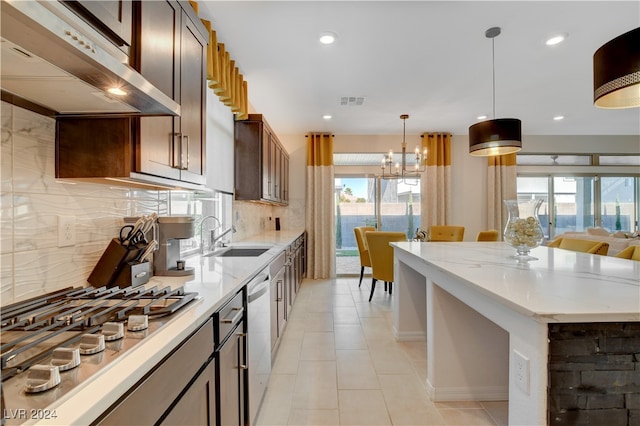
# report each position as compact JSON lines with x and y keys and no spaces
{"x":169,"y":50}
{"x":261,"y":162}
{"x":171,"y":54}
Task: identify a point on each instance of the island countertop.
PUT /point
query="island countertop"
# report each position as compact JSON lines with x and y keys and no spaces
{"x":486,"y":317}
{"x":561,"y":286}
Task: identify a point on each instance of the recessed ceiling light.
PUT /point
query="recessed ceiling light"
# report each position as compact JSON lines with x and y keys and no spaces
{"x":328,"y":37}
{"x":482,"y":117}
{"x":558,"y":117}
{"x":116,"y":91}
{"x":327,"y":117}
{"x":553,"y":40}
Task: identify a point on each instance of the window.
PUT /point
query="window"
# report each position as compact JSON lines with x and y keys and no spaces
{"x":618,"y":203}
{"x":575,"y":203}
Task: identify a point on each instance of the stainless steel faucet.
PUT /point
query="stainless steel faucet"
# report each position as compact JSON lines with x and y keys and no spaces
{"x":211,"y":239}
{"x":216,"y":239}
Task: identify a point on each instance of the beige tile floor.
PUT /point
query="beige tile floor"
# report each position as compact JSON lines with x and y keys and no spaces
{"x":338,"y":364}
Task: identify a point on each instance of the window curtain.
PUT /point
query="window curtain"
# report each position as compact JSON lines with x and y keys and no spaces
{"x":435,"y":185}
{"x":501,"y":185}
{"x":320,"y":205}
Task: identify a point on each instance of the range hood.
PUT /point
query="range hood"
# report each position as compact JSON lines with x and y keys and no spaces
{"x":53,"y":58}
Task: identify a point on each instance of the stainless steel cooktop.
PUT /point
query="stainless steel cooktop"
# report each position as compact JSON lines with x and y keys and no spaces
{"x":52,"y":343}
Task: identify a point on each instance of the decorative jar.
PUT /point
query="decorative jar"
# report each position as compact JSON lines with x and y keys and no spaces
{"x":523,"y":230}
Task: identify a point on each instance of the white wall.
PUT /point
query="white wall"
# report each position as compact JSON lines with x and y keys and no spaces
{"x":219,"y":146}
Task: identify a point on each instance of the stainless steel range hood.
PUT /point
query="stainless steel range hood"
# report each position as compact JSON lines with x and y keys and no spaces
{"x":53,"y":58}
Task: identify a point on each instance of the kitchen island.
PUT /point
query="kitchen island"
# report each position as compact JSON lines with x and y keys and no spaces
{"x":486,"y":317}
{"x":216,"y":280}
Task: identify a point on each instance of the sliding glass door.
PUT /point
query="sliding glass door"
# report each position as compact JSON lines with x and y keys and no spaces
{"x":388,"y":205}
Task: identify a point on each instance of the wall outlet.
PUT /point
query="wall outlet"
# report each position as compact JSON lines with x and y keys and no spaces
{"x":66,"y":231}
{"x":521,"y":371}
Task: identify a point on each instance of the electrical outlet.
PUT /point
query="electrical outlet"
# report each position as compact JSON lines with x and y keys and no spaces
{"x":66,"y":231}
{"x":521,"y":371}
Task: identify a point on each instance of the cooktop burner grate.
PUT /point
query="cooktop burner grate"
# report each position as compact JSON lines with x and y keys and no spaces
{"x":32,"y":329}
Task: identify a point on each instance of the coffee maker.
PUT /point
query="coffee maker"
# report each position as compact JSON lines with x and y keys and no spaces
{"x":167,"y":260}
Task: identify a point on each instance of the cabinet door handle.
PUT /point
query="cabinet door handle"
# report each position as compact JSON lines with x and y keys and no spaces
{"x":185,"y":137}
{"x":278,"y":291}
{"x":235,"y":318}
{"x":176,"y":154}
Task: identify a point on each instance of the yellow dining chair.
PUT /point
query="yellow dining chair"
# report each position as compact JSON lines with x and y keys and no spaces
{"x":584,"y":246}
{"x":381,"y":254}
{"x":363,"y":250}
{"x":631,"y":252}
{"x":446,"y":233}
{"x":490,"y":235}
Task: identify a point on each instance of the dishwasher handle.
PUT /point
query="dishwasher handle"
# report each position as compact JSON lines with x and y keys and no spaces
{"x":257,"y":287}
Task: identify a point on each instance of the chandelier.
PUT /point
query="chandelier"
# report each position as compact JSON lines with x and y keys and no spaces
{"x":399,"y":170}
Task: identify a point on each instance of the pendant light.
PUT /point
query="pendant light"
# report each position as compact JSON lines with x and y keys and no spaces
{"x":498,"y":136}
{"x":616,"y":72}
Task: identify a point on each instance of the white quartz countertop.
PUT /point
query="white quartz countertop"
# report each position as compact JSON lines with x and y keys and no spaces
{"x":561,"y":286}
{"x":216,"y":279}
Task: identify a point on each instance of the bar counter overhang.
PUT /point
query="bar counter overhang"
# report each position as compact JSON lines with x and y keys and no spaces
{"x":486,"y":317}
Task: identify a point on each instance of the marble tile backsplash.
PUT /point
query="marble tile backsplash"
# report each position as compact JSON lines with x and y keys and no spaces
{"x":32,"y":199}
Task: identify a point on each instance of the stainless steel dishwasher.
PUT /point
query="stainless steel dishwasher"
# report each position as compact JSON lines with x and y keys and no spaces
{"x":259,"y":340}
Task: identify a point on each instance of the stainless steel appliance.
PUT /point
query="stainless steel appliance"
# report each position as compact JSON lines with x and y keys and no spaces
{"x":259,"y":344}
{"x":48,"y":49}
{"x":167,"y":259}
{"x":52,"y":343}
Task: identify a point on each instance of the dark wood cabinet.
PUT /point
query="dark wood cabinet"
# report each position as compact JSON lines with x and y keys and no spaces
{"x":231,"y":356}
{"x":170,"y":51}
{"x":180,"y":387}
{"x":284,"y":177}
{"x":198,"y":404}
{"x":172,"y":147}
{"x":261,"y":163}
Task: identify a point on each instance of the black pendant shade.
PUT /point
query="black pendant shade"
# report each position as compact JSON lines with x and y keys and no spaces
{"x":499,"y":136}
{"x":495,"y":137}
{"x":616,"y":72}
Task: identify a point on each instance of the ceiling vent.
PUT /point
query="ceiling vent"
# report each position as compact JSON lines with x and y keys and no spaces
{"x":351,"y":100}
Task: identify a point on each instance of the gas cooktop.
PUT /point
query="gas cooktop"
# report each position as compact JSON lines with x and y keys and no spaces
{"x":52,"y":343}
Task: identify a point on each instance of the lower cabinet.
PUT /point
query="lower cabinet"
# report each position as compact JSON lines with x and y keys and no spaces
{"x":232,"y":386}
{"x":197,"y":405}
{"x":278,"y":308}
{"x":279,"y":300}
{"x":231,"y":361}
{"x":168,"y":392}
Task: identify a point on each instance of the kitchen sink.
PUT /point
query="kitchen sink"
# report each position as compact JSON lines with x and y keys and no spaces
{"x":242,"y":252}
{"x":238,"y":252}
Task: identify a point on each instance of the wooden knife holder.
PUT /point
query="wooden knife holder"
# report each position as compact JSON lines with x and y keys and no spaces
{"x":115,"y":258}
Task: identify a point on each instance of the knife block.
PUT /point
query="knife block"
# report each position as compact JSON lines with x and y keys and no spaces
{"x":132,"y":274}
{"x":114,"y":258}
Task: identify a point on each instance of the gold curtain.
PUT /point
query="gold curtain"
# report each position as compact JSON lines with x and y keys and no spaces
{"x":435,"y":186}
{"x":320,"y":205}
{"x":501,"y":185}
